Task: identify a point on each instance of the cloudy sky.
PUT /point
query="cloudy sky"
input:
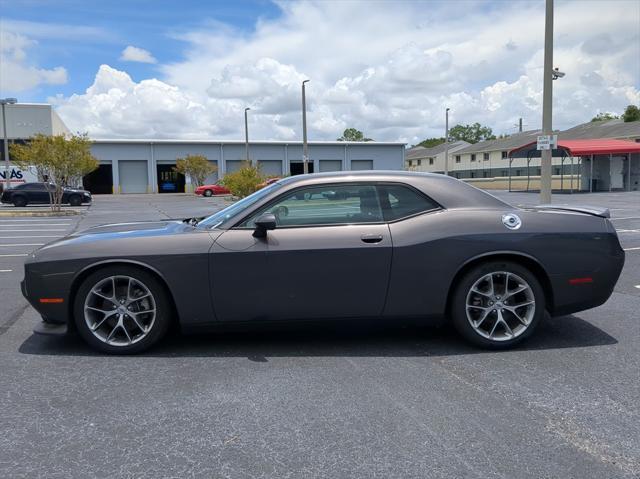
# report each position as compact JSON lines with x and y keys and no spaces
{"x":187,"y":69}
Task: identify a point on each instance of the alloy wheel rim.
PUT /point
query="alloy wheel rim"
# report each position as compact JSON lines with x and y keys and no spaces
{"x":120,"y":310}
{"x":500,"y":306}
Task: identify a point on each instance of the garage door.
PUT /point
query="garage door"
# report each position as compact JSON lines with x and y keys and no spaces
{"x":233,"y":165}
{"x":270,"y":168}
{"x":330,"y":165}
{"x":357,"y":165}
{"x":133,"y":176}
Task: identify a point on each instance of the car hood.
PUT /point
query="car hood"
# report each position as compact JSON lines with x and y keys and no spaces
{"x":119,"y":231}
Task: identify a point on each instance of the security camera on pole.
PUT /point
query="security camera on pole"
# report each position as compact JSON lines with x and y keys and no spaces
{"x":547,"y":142}
{"x":7,"y":173}
{"x":305,"y":146}
{"x":246,"y":135}
{"x":446,"y":142}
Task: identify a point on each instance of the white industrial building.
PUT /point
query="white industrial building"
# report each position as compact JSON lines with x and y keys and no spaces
{"x":146,"y":165}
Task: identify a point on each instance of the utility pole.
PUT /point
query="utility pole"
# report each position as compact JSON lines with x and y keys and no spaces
{"x":305,"y":146}
{"x":520,"y":125}
{"x":547,"y":105}
{"x":7,"y":174}
{"x":246,"y":136}
{"x":446,"y":141}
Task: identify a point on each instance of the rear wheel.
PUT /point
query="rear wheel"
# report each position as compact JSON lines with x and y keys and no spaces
{"x":19,"y":201}
{"x":75,"y":200}
{"x":208,"y":193}
{"x":121,"y":310}
{"x":497,"y":305}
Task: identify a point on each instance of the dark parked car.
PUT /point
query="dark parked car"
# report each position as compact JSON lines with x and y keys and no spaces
{"x":38,"y":193}
{"x":397,"y":245}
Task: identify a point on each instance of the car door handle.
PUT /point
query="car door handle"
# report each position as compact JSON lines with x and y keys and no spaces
{"x":371,"y":238}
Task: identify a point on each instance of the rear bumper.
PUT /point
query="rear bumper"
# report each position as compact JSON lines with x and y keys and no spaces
{"x":589,"y":289}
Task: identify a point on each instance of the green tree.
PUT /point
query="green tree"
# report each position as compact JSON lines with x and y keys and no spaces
{"x":604,"y":116}
{"x":471,"y":133}
{"x":197,"y":167}
{"x":631,"y":113}
{"x":352,"y":134}
{"x":62,"y":161}
{"x":431,"y":142}
{"x":244,"y":181}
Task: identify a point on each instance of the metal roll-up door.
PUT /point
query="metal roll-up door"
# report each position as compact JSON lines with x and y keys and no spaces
{"x":133,"y":176}
{"x":270,"y":168}
{"x":330,"y":165}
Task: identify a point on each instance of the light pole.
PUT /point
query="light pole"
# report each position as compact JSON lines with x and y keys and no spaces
{"x":246,"y":135}
{"x":446,"y":141}
{"x":305,"y":146}
{"x":3,"y":102}
{"x":547,"y":104}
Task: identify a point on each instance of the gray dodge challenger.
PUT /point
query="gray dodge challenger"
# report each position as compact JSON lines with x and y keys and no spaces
{"x":330,"y":246}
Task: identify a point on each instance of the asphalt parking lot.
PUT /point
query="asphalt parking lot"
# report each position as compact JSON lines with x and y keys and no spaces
{"x":321,"y":401}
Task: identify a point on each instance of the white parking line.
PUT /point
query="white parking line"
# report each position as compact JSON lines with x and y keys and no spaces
{"x":627,"y":218}
{"x":32,"y":236}
{"x":22,"y":244}
{"x":6,"y":270}
{"x":34,"y":224}
{"x":632,"y":249}
{"x":39,"y":220}
{"x":39,"y":230}
{"x":637,"y":286}
{"x":628,"y":231}
{"x":13,"y":255}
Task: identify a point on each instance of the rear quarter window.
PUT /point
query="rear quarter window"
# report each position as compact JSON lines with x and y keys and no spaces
{"x":399,"y":201}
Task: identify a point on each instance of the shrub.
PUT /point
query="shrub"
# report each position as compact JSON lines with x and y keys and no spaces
{"x":244,"y":181}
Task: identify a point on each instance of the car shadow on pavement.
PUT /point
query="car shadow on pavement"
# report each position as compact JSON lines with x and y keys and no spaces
{"x":334,"y":340}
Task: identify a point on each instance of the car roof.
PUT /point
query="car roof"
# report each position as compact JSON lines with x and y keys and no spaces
{"x":446,"y":190}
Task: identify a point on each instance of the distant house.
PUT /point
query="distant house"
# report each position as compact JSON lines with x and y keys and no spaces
{"x":420,"y":158}
{"x":487,"y":163}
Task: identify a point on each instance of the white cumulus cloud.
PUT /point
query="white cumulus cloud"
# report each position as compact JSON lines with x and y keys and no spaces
{"x":389,"y":71}
{"x":17,"y":73}
{"x":135,"y":54}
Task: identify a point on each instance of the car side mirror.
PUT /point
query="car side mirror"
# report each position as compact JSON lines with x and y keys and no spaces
{"x":264,"y":223}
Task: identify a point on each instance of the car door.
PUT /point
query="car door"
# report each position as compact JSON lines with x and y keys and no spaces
{"x":329,"y":257}
{"x":37,"y":193}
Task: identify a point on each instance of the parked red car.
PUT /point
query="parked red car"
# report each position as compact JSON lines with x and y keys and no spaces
{"x":210,"y":190}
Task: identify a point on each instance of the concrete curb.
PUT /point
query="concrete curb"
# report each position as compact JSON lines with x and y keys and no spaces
{"x":9,"y":214}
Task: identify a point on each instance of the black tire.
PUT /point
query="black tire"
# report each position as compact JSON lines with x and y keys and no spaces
{"x":19,"y":201}
{"x":163,"y":309}
{"x":75,"y":200}
{"x":463,"y":292}
{"x":208,"y":193}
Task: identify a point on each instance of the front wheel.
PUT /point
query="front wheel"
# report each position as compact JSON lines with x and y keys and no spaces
{"x":497,"y":305}
{"x":207,"y":193}
{"x":121,"y":310}
{"x":75,"y":200}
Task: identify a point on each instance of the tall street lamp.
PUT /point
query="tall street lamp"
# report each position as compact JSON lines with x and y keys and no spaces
{"x":446,"y":141}
{"x":305,"y":146}
{"x":3,"y":102}
{"x":246,"y":135}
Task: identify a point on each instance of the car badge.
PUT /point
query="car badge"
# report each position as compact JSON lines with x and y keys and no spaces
{"x":511,"y":221}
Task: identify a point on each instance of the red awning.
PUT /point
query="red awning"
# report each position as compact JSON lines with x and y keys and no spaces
{"x":602,"y":146}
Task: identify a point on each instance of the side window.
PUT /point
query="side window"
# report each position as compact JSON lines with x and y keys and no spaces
{"x":401,"y":201}
{"x":325,"y":205}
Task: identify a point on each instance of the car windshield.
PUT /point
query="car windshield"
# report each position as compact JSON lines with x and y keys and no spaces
{"x":236,"y":208}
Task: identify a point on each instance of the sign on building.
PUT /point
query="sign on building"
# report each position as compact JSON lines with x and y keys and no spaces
{"x":547,"y":142}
